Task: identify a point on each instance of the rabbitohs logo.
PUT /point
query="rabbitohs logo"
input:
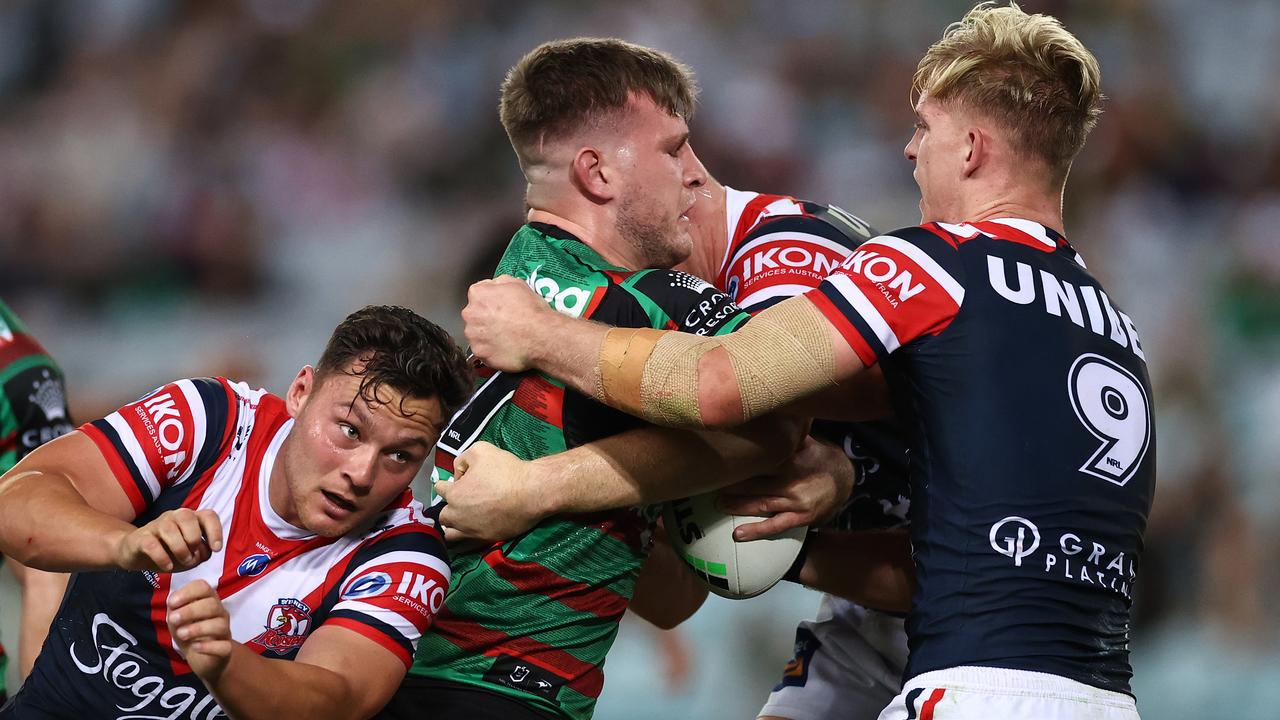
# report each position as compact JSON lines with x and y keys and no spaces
{"x":571,"y":301}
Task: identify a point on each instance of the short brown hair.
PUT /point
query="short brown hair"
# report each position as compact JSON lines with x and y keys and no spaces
{"x":396,"y":347}
{"x":563,"y":85}
{"x":1024,"y":71}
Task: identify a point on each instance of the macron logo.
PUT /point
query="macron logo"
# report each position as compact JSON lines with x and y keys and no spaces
{"x":883,"y":271}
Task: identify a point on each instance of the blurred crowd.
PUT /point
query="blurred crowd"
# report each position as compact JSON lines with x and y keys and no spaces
{"x":206,"y":187}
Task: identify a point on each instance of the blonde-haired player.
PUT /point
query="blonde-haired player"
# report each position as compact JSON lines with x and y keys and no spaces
{"x":1023,"y":385}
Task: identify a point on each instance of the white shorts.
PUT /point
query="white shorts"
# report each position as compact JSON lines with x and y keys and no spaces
{"x":982,"y":693}
{"x":848,"y":664}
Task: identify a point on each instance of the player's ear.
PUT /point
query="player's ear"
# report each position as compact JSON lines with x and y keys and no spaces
{"x":590,"y":176}
{"x":977,"y":148}
{"x":299,"y":390}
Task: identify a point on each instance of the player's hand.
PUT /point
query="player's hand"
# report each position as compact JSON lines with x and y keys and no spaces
{"x":503,"y":320}
{"x":201,"y":626}
{"x":807,"y":490}
{"x":493,"y":496}
{"x":177,"y":540}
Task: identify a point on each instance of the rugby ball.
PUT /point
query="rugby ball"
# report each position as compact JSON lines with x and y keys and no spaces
{"x":703,"y":537}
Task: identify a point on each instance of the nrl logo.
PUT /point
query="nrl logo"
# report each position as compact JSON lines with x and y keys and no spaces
{"x":50,"y":397}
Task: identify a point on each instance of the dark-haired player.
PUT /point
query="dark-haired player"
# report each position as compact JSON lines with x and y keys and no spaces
{"x":241,"y":553}
{"x":599,"y":128}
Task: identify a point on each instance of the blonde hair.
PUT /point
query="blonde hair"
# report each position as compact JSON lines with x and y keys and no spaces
{"x":563,"y":86}
{"x":1025,"y":72}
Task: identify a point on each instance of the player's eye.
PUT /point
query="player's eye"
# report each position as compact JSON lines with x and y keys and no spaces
{"x":349,"y":431}
{"x":400,"y":457}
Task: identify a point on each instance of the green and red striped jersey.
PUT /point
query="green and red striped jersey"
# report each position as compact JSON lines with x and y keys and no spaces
{"x":532,"y":618}
{"x":33,"y":402}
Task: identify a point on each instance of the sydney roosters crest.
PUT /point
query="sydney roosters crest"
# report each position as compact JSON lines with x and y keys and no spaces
{"x":288,"y":623}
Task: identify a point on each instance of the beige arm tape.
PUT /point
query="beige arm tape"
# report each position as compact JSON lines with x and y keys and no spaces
{"x":782,"y":354}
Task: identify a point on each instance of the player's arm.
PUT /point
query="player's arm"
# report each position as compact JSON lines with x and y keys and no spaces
{"x":870,"y":567}
{"x":495,"y":495}
{"x":786,"y":352}
{"x":338,"y":673}
{"x":666,"y":592}
{"x":68,"y":505}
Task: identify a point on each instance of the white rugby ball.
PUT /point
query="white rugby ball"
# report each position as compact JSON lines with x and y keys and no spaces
{"x":703,"y":537}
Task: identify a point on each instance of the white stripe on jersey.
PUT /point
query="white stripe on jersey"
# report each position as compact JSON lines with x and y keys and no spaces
{"x":1034,"y":229}
{"x":200,"y":422}
{"x":965,"y":231}
{"x":389,"y":616}
{"x":926,"y":263}
{"x":866,"y":310}
{"x":130,"y":442}
{"x":839,"y":249}
{"x":399,"y":556}
{"x":457,"y":448}
{"x":784,"y":291}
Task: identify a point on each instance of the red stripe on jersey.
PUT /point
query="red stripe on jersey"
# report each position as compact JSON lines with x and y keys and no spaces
{"x":594,"y":303}
{"x":583,"y":677}
{"x":926,"y":710}
{"x":20,"y":346}
{"x":540,"y":398}
{"x":118,"y":468}
{"x":842,"y":324}
{"x":444,"y":460}
{"x":750,"y":216}
{"x":373,"y":634}
{"x":164,"y":425}
{"x":910,"y":301}
{"x":534,"y":578}
{"x":9,"y":442}
{"x":1001,"y":231}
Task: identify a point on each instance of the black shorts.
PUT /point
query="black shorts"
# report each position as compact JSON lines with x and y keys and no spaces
{"x":420,"y":698}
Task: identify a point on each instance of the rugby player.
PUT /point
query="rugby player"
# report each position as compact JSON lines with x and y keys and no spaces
{"x":33,"y":411}
{"x":1023,"y":385}
{"x":760,"y":248}
{"x":240,"y":553}
{"x":600,"y":130}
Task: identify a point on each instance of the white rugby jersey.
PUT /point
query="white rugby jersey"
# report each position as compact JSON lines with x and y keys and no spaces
{"x":210,"y":444}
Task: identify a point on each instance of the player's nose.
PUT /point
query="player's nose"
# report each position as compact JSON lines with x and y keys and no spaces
{"x":695,"y":173}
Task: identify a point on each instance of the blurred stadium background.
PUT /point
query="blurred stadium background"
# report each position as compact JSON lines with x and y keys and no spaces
{"x":207,"y":187}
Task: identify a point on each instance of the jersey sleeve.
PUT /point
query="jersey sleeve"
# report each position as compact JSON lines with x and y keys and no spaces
{"x":687,"y":303}
{"x":174,"y":433}
{"x":892,"y":290}
{"x":36,"y":399}
{"x":394,"y":587}
{"x":789,"y":255}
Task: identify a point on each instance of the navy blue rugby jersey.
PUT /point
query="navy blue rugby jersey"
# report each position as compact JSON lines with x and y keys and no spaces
{"x":210,"y":443}
{"x":1025,"y":392}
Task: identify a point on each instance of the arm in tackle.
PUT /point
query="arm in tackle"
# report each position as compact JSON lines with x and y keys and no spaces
{"x":785,"y":353}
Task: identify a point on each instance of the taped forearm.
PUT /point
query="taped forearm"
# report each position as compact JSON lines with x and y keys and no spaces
{"x":782,"y":354}
{"x":655,"y":464}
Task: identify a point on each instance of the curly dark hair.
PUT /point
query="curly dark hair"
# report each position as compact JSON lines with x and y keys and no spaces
{"x":396,"y":347}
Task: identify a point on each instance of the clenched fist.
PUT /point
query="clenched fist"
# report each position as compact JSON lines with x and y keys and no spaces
{"x":177,"y":540}
{"x":201,"y":626}
{"x":505,"y":321}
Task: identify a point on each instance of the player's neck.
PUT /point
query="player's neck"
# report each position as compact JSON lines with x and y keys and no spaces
{"x":1012,"y":199}
{"x":597,"y":232}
